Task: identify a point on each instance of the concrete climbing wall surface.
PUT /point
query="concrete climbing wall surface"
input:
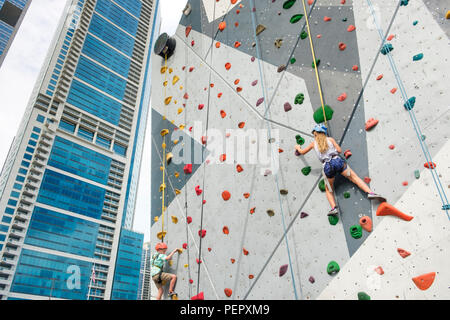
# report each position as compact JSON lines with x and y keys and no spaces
{"x":266,"y":234}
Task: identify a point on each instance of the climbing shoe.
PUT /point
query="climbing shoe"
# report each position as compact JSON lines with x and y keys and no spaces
{"x":171,"y":294}
{"x":333,"y":212}
{"x":372,"y":196}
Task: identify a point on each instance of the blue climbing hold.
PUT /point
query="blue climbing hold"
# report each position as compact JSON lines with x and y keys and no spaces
{"x":418,"y":57}
{"x":410,"y":103}
{"x":415,"y":22}
{"x":387,"y":48}
{"x":404,"y":2}
{"x":446,"y":207}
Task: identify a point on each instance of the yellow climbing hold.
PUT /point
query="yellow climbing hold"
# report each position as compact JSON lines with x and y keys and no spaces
{"x":175,"y":141}
{"x":174,"y":219}
{"x":447,"y":15}
{"x":169,"y":157}
{"x":182,"y":127}
{"x":177,"y":191}
{"x":170,"y":70}
{"x":167,"y":100}
{"x":161,"y":234}
{"x":156,"y":219}
{"x":181,"y":87}
{"x":165,"y":83}
{"x":163,"y":70}
{"x":162,"y":187}
{"x":180,"y":110}
{"x":175,"y":80}
{"x":164,"y":132}
{"x":175,"y":102}
{"x":163,"y":145}
{"x":186,"y":265}
{"x":180,"y":250}
{"x":170,"y":262}
{"x":176,"y":174}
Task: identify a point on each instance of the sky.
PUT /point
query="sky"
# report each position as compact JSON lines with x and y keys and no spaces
{"x":22,"y":65}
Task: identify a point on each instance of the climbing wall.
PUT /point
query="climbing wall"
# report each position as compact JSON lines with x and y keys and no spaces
{"x":259,"y":229}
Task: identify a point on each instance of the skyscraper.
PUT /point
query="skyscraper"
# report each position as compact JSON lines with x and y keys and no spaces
{"x":68,"y":186}
{"x":11,"y":16}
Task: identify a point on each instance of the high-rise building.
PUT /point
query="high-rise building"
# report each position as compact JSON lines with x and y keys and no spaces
{"x":68,"y":186}
{"x":11,"y":16}
{"x":145,"y":277}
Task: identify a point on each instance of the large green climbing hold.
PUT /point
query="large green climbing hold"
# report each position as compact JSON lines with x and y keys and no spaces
{"x":299,"y":98}
{"x":333,"y":268}
{"x":322,"y":185}
{"x":296,"y":18}
{"x":303,"y":35}
{"x":306,"y":170}
{"x":288,"y":4}
{"x":333,"y":220}
{"x":300,"y":140}
{"x":346,"y":195}
{"x":387,"y":48}
{"x":363,"y":296}
{"x":418,"y":57}
{"x":318,"y":114}
{"x":317,"y":63}
{"x":410,"y":103}
{"x":356,"y":231}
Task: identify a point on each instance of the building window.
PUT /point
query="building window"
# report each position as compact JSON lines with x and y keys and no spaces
{"x":85,"y":134}
{"x":120,"y":149}
{"x":67,"y":126}
{"x":40,"y":119}
{"x":103,"y":142}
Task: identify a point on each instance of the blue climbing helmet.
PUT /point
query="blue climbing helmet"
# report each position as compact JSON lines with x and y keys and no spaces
{"x":320,"y":128}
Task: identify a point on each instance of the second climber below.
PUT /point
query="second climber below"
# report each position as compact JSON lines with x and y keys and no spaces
{"x":328,"y":151}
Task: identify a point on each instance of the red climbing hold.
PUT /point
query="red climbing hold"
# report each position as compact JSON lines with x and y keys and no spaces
{"x":310,"y":2}
{"x":201,"y":106}
{"x":246,"y":195}
{"x":187,"y":169}
{"x":191,"y":69}
{"x":184,"y":246}
{"x":371,"y":123}
{"x":202,"y":233}
{"x":188,"y":220}
{"x":219,"y":95}
{"x":385,"y":209}
{"x":390,"y":37}
{"x":429,"y":165}
{"x":403,"y":253}
{"x":236,"y":82}
{"x":342,"y":46}
{"x":222,"y":25}
{"x":342,"y":1}
{"x":355,"y":68}
{"x":209,"y":249}
{"x":239,"y":89}
{"x":188,"y":30}
{"x":191,"y":281}
{"x":405,"y":183}
{"x":245,"y":252}
{"x":239,"y":168}
{"x":379,"y":270}
{"x":380,"y":77}
{"x":227,"y":66}
{"x":260,"y":100}
{"x":186,"y":96}
{"x":342,"y":97}
{"x":217,"y":45}
{"x":311,"y":279}
{"x":392,"y":147}
{"x":367,"y":180}
{"x":347,"y":154}
{"x":241,"y":125}
{"x":366,"y":223}
{"x":199,"y":296}
{"x":192,"y":43}
{"x":233,"y":1}
{"x":351,"y":28}
{"x":424,"y":281}
{"x":226,"y":195}
{"x":236,"y":24}
{"x":393,"y":90}
{"x":198,"y":190}
{"x":283,"y":270}
{"x":250,"y":276}
{"x":252,"y":210}
{"x":228,"y":292}
{"x":238,"y":11}
{"x":326,"y":18}
{"x":226,"y":230}
{"x":223,"y":157}
{"x":223,"y":114}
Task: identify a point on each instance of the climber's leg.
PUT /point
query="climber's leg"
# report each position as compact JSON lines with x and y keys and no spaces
{"x":353,"y":177}
{"x":172,"y":283}
{"x":329,"y":193}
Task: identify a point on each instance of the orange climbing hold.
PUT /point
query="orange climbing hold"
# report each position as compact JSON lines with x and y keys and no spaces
{"x":246,"y":195}
{"x":424,"y":281}
{"x":236,"y":82}
{"x":188,"y":30}
{"x":366,"y":223}
{"x":217,"y":45}
{"x":223,"y":114}
{"x":371,"y":123}
{"x":239,"y":89}
{"x":239,"y":168}
{"x":326,"y":18}
{"x":385,"y":209}
{"x":393,"y":90}
{"x":245,"y":252}
{"x":391,"y":36}
{"x":379,"y":270}
{"x":222,"y":25}
{"x":403,"y":253}
{"x":236,"y":24}
{"x":252,"y":210}
{"x":380,"y":77}
{"x":351,"y":28}
{"x":223,"y":157}
{"x":233,"y":1}
{"x":226,"y":195}
{"x":228,"y":66}
{"x":241,"y":125}
{"x":226,"y":230}
{"x":250,"y":276}
{"x":232,"y":260}
{"x":342,"y":97}
{"x":228,"y":292}
{"x":430,"y":165}
{"x":199,"y":296}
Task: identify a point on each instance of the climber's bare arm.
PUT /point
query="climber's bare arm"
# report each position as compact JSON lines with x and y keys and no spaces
{"x":306,"y":150}
{"x":338,"y":148}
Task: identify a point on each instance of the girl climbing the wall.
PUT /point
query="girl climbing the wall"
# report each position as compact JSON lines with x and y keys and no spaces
{"x":328,"y":151}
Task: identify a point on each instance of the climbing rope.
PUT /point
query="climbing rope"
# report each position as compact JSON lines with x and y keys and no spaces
{"x":270,"y":137}
{"x":415,"y":123}
{"x":164,"y":155}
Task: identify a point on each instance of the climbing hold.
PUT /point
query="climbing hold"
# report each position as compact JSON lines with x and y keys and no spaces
{"x":237,"y":44}
{"x":326,"y":19}
{"x":346,"y":195}
{"x":164,"y":132}
{"x":162,"y":187}
{"x":239,"y":168}
{"x":333,"y":220}
{"x":226,"y":195}
{"x":404,"y":2}
{"x":410,"y":103}
{"x":184,"y":246}
{"x":299,"y":140}
{"x":371,"y":123}
{"x":393,"y":90}
{"x":379,"y":270}
{"x":380,"y":77}
{"x":236,"y":82}
{"x":187,"y":169}
{"x":228,"y":66}
{"x":390,"y":37}
{"x":429,"y":165}
{"x":180,"y":110}
{"x":191,"y":69}
{"x":251,"y":276}
{"x":303,"y":215}
{"x":287,"y":107}
{"x":201,"y":106}
{"x":333,"y":268}
{"x":241,"y":125}
{"x":175,"y":80}
{"x":288,"y":4}
{"x":177,"y":192}
{"x":405,"y":183}
{"x":367,"y":180}
{"x":223,"y":114}
{"x":306,"y":171}
{"x":296,"y":18}
{"x":191,"y":281}
{"x":311,"y":279}
{"x":226,"y":230}
{"x":198,"y":190}
{"x":236,"y":24}
{"x":417,"y":174}
{"x":223,"y":157}
{"x":366,"y":223}
{"x":299,"y":98}
{"x":161,"y":235}
{"x":315,"y":64}
{"x":174,"y":219}
{"x":217,"y":45}
{"x":283,"y":270}
{"x":344,"y":19}
{"x":245,"y":252}
{"x":303,"y":35}
{"x":202,"y":233}
{"x":418,"y":57}
{"x":278,"y":43}
{"x":385,"y":209}
{"x":188,"y":30}
{"x":252,"y":210}
{"x":447,"y":15}
{"x":222,"y":25}
{"x":387,"y":48}
{"x":347,"y":154}
{"x":322,"y":185}
{"x":403,"y":253}
{"x":415,"y":22}
{"x":318,"y":114}
{"x":254,"y":83}
{"x":192,"y":43}
{"x":363,"y":296}
{"x":342,"y":97}
{"x":169,"y":157}
{"x":424,"y":281}
{"x":199,"y":296}
{"x":260,"y":100}
{"x":293,"y":60}
{"x":163,"y":70}
{"x":351,"y":28}
{"x":355,"y":68}
{"x":284,"y":192}
{"x":233,"y":260}
{"x":281,"y":68}
{"x":270,"y":212}
{"x":246,"y":195}
{"x":260,"y":28}
{"x":356,"y":231}
{"x":167,"y":100}
{"x":228,"y":292}
{"x":392,"y":147}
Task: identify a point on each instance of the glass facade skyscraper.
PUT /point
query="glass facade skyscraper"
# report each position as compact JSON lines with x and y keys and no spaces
{"x":68,"y":185}
{"x":11,"y":16}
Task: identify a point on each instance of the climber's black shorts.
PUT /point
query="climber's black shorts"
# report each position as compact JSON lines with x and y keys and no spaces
{"x":334,"y":166}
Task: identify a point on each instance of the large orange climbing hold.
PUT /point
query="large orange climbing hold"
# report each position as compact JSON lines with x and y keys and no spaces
{"x":424,"y":281}
{"x":366,"y":223}
{"x":228,"y":292}
{"x":226,"y":195}
{"x":233,"y":1}
{"x":403,"y":253}
{"x":430,"y":165}
{"x":222,"y":25}
{"x":385,"y":209}
{"x":199,"y":296}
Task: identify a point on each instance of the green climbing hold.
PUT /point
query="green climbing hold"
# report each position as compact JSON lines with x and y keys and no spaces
{"x":322,"y":185}
{"x":333,"y":220}
{"x":346,"y":195}
{"x":415,"y":23}
{"x":288,"y":4}
{"x":296,"y":18}
{"x":344,"y":20}
{"x":423,"y":137}
{"x":299,"y":98}
{"x":333,"y":268}
{"x":303,"y":35}
{"x":317,"y":63}
{"x":293,"y":60}
{"x":410,"y":103}
{"x":356,"y":231}
{"x":306,"y":170}
{"x":387,"y":48}
{"x":363,"y":296}
{"x":418,"y":57}
{"x":318,"y":114}
{"x":300,"y":140}
{"x":417,"y":174}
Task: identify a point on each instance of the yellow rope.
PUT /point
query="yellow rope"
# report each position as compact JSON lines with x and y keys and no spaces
{"x":315,"y":65}
{"x":164,"y":157}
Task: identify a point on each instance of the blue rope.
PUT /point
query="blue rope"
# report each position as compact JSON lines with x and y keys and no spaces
{"x":415,"y":123}
{"x":270,"y":136}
